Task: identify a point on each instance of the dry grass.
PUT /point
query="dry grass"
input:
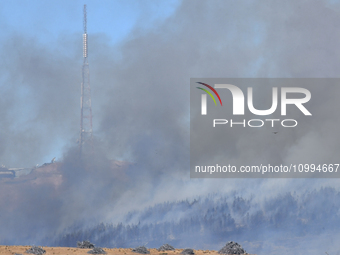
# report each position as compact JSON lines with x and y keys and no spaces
{"x":11,"y":250}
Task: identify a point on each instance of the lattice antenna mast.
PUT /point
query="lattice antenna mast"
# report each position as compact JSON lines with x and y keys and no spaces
{"x":86,"y":139}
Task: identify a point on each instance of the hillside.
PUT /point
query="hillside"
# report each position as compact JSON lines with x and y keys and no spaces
{"x":295,"y":222}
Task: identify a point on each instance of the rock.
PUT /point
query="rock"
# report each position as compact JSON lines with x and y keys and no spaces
{"x":166,"y":247}
{"x":141,"y":249}
{"x":85,"y":245}
{"x":97,"y":250}
{"x":36,"y":250}
{"x":232,"y":248}
{"x":188,"y":252}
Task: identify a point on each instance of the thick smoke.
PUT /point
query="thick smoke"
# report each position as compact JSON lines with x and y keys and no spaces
{"x":141,"y":109}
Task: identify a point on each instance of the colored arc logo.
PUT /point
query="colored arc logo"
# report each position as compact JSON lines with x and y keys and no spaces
{"x":208,"y":92}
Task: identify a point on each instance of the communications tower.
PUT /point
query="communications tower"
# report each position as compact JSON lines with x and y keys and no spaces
{"x":86,"y":139}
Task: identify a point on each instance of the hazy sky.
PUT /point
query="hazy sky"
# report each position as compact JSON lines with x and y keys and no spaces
{"x":55,"y":29}
{"x":142,"y":55}
{"x":142,"y":48}
{"x":46,"y":20}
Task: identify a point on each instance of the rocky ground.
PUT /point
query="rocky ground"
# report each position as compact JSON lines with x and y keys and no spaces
{"x":12,"y":250}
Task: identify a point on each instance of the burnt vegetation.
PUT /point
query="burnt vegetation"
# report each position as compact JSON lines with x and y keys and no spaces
{"x":207,"y":222}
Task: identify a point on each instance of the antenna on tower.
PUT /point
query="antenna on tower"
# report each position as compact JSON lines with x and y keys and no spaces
{"x":85,"y":34}
{"x":85,"y":20}
{"x":86,"y":139}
